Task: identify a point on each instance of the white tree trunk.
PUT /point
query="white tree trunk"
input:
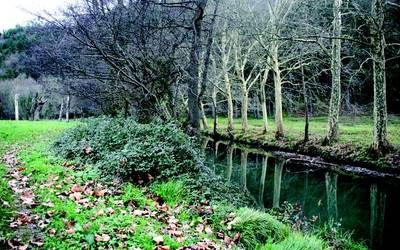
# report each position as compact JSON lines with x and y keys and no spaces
{"x":334,"y":106}
{"x":204,"y":121}
{"x":278,"y":91}
{"x":16,"y":105}
{"x":61,"y":110}
{"x":225,"y":51}
{"x":215,"y":108}
{"x":244,"y":110}
{"x":67,"y":108}
{"x":264,"y":100}
{"x":379,"y":71}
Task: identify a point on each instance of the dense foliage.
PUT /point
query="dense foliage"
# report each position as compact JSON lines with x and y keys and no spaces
{"x":123,"y":148}
{"x":127,"y":149}
{"x":13,"y":44}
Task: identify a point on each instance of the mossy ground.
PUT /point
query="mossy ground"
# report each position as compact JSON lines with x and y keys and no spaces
{"x":352,"y":146}
{"x":74,"y":209}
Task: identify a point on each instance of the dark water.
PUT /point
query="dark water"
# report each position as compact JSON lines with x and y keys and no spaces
{"x":369,"y":208}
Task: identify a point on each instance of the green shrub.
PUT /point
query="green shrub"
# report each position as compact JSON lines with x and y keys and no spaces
{"x":126,"y":149}
{"x":207,"y":186}
{"x":257,"y":228}
{"x":337,"y":238}
{"x":101,"y":136}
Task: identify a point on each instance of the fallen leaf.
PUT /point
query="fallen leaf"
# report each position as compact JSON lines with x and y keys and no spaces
{"x":138,"y":212}
{"x":37,"y":243}
{"x":158,"y":239}
{"x":236,"y":238}
{"x":208,"y":230}
{"x":100,"y":212}
{"x":102,"y":238}
{"x":75,"y":196}
{"x":110,"y":210}
{"x":88,"y":150}
{"x":52,"y":232}
{"x":200,"y":228}
{"x":76,"y":188}
{"x":48,"y":204}
{"x":100,"y":193}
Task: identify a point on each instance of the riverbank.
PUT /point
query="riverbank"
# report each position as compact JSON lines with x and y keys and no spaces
{"x":352,"y":147}
{"x":54,"y":203}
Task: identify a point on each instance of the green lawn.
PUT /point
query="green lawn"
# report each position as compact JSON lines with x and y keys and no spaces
{"x":12,"y":132}
{"x":353,"y":130}
{"x":16,"y":134}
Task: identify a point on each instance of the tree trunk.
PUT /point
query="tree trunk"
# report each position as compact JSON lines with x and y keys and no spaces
{"x":36,"y":114}
{"x":244,"y":110}
{"x":306,"y":134}
{"x":278,"y":91}
{"x":227,"y":81}
{"x":193,"y":85}
{"x":207,"y":57}
{"x":204,"y":121}
{"x":67,"y":108}
{"x":348,"y":101}
{"x":264,"y":101}
{"x":61,"y":110}
{"x":16,"y":106}
{"x":380,"y":142}
{"x":215,"y":109}
{"x":334,"y":106}
{"x":33,"y":107}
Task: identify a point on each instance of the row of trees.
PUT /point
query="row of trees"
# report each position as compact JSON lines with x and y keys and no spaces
{"x":167,"y":58}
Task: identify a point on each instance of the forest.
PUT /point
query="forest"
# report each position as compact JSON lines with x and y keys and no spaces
{"x":201,"y":124}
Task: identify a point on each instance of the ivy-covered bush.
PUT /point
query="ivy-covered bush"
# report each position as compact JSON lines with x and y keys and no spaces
{"x":124,"y":148}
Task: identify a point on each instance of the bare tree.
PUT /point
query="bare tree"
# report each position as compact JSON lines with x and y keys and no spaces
{"x":378,"y":46}
{"x":334,"y":107}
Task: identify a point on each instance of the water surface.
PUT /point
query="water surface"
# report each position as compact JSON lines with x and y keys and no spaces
{"x":367,"y":207}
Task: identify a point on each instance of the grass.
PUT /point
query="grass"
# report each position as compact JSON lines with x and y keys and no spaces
{"x":356,"y":130}
{"x":12,"y":133}
{"x":297,"y":241}
{"x":124,"y":215}
{"x":172,"y":192}
{"x":353,"y":145}
{"x":257,"y":227}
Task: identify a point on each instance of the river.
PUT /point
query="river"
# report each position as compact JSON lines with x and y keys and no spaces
{"x":367,"y":207}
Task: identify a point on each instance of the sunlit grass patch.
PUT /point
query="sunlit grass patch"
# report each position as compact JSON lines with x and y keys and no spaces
{"x":356,"y":130}
{"x":173,"y":192}
{"x":257,"y":227}
{"x":297,"y":241}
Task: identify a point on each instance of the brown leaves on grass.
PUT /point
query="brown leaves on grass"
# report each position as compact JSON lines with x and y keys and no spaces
{"x":92,"y":194}
{"x":102,"y":238}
